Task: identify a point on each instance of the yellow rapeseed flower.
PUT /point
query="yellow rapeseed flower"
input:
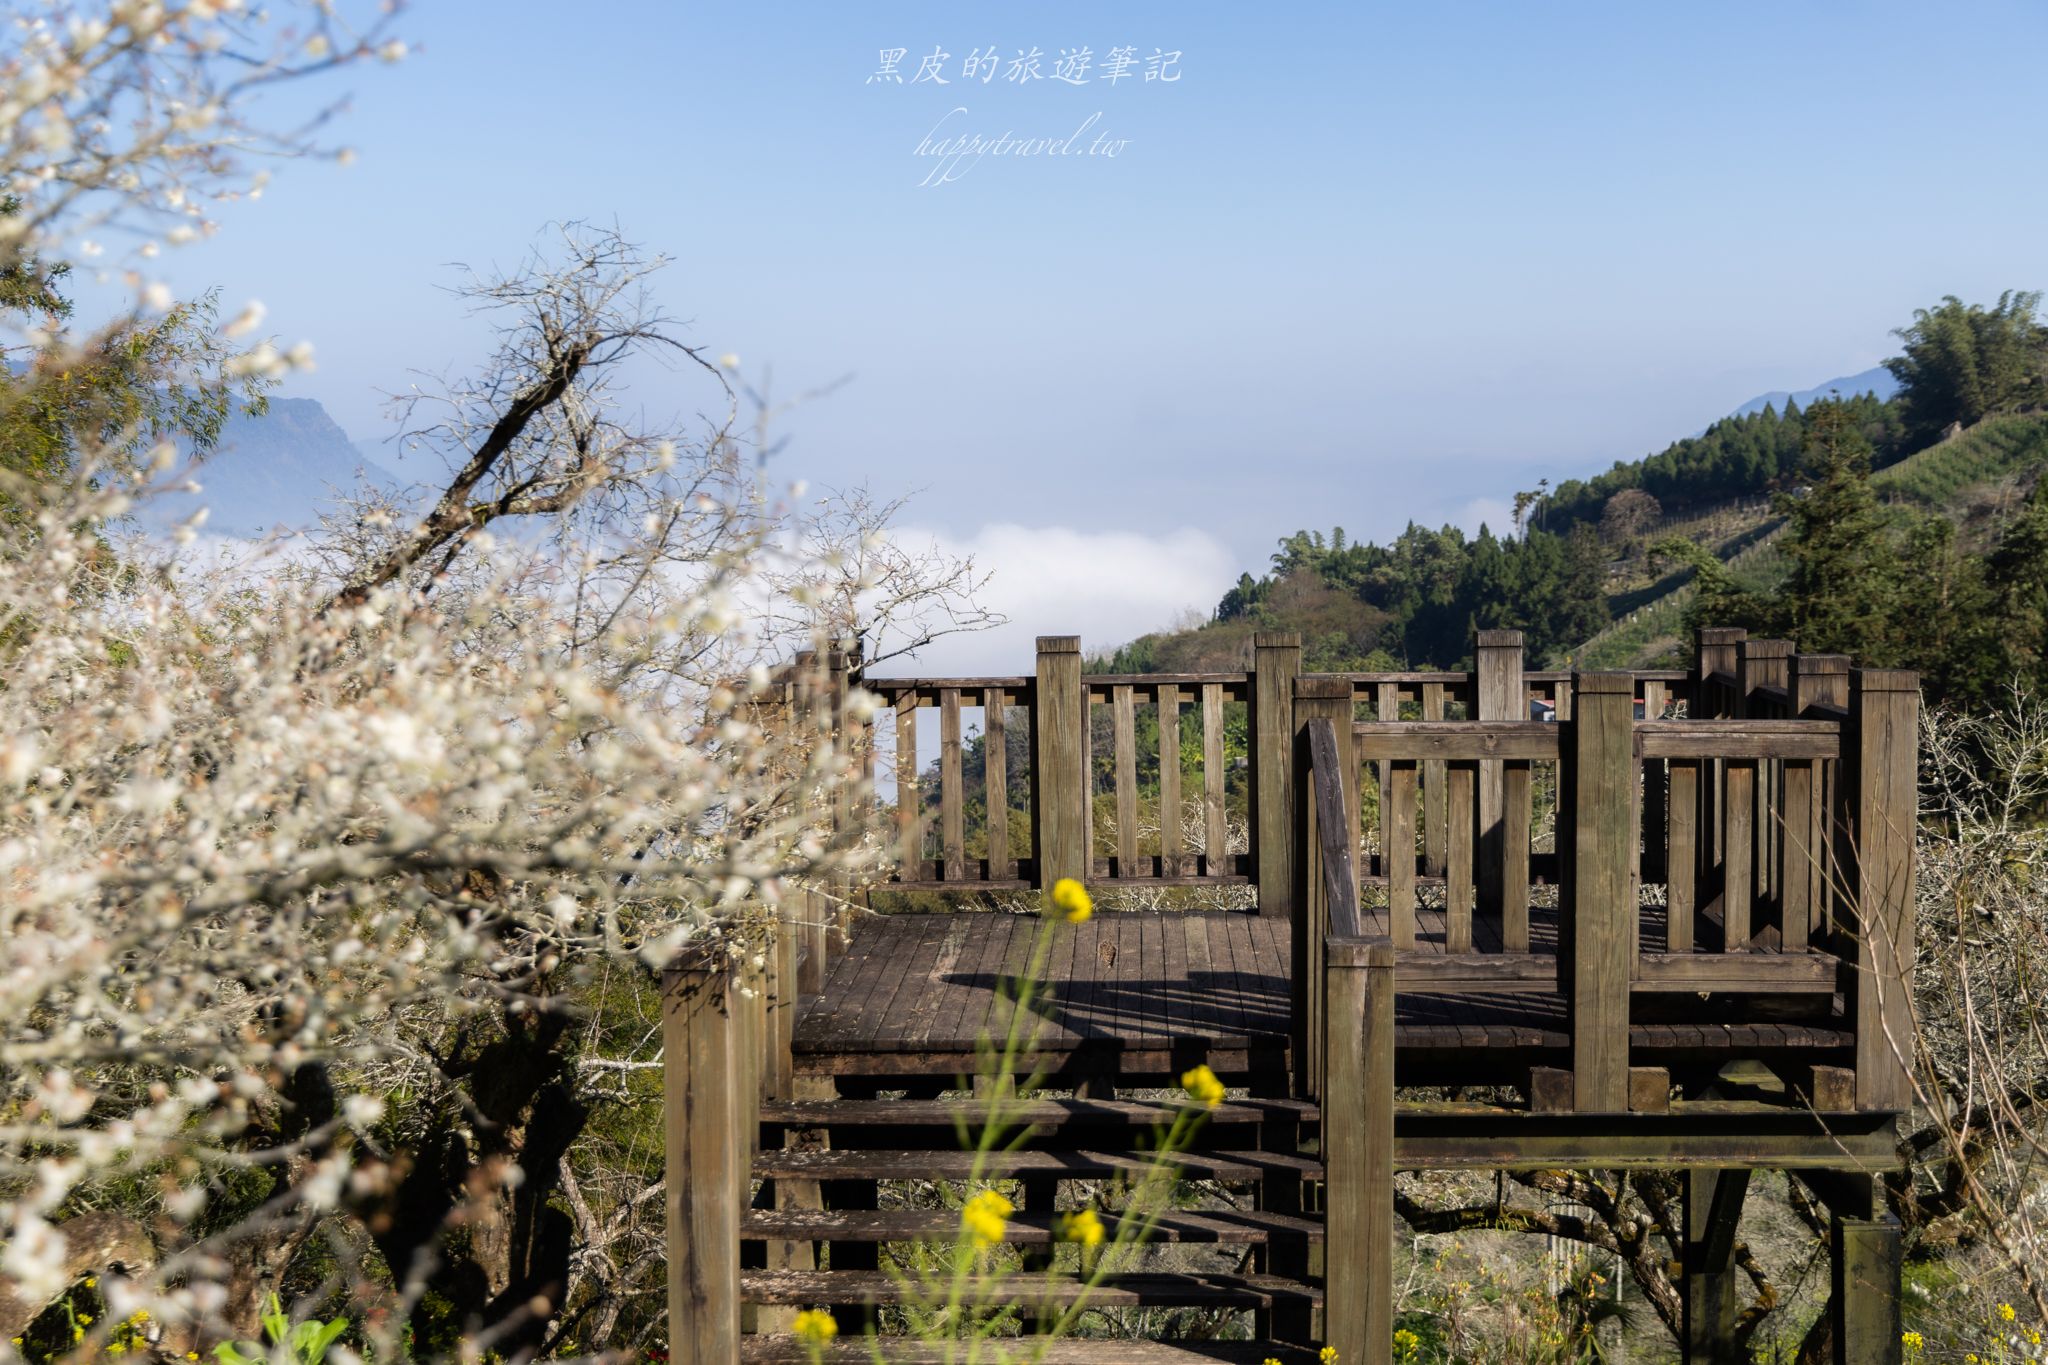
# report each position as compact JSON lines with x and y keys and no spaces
{"x":2005,"y":1312}
{"x":815,"y":1326}
{"x":1329,"y":1355}
{"x":985,"y":1215}
{"x":1269,"y":1360}
{"x":1912,"y":1341}
{"x":1203,"y":1087}
{"x":1070,"y":897}
{"x":1083,"y":1227}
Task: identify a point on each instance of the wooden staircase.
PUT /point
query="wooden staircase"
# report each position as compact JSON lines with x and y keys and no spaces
{"x":836,"y":1181}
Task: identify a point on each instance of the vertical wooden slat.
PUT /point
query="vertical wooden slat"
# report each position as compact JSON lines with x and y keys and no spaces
{"x":1435,"y":810}
{"x":1171,"y":843}
{"x":1461,"y":784}
{"x":1499,"y":694}
{"x":1866,"y":1265}
{"x":995,"y":775}
{"x":1818,"y":680}
{"x":1386,"y":709}
{"x":1060,"y":713}
{"x":1599,"y":897}
{"x":952,"y":788}
{"x":1124,"y":706}
{"x":1215,"y":828}
{"x":705,"y":1168}
{"x":1738,"y":882}
{"x":1884,"y":710}
{"x":1400,"y":849}
{"x":1655,"y":791}
{"x":909,"y":812}
{"x":1358,"y":1160}
{"x":1715,"y":650}
{"x":1760,"y":664}
{"x":1276,"y":661}
{"x":1681,"y":855}
{"x":1517,"y":785}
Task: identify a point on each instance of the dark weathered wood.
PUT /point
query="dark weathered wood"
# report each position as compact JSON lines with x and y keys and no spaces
{"x":1744,"y":739}
{"x":1125,"y":730}
{"x":1435,"y":811}
{"x":1172,"y":844}
{"x":788,"y":1350}
{"x":1867,"y":1261}
{"x":1358,"y":1155}
{"x":1787,"y":971}
{"x":1499,"y":696}
{"x":1114,"y":1291}
{"x":952,"y":789}
{"x":1738,"y":847}
{"x":1517,"y":815}
{"x":1820,"y":688}
{"x":779,"y":1067}
{"x":1601,"y":887}
{"x":942,"y":1164}
{"x":1060,"y":837}
{"x":1457,"y":739}
{"x":706,"y":1169}
{"x":1240,"y":1227}
{"x":1324,"y":859}
{"x":1215,"y":829}
{"x":1712,"y":699}
{"x":1550,"y":1090}
{"x":1276,"y":659}
{"x":1460,"y":817}
{"x":1649,"y":1089}
{"x":996,"y":785}
{"x":1398,"y":843}
{"x":1681,"y":853}
{"x":1885,"y":708}
{"x":1713,"y":1208}
{"x":1656,"y":793}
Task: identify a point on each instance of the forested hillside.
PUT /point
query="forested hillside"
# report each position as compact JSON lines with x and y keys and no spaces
{"x":1835,"y":524}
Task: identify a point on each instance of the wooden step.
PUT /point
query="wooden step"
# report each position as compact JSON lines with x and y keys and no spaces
{"x":883,"y":1164}
{"x":781,"y":1350}
{"x":1044,"y":1113}
{"x":1249,"y":1227}
{"x":1148,"y":1290}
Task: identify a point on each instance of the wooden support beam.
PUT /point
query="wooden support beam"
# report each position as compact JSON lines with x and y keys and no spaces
{"x":706,"y":1163}
{"x":1882,"y":811}
{"x":1649,"y":1090}
{"x":1324,"y":697}
{"x":1550,"y":1090}
{"x":1358,"y":1158}
{"x":1713,"y":1208}
{"x":1061,"y":839}
{"x":1599,"y":895}
{"x":1276,"y":662}
{"x":1863,"y":1300}
{"x":1499,"y":695}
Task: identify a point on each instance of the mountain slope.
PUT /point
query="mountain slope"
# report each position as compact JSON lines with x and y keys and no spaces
{"x":276,"y":470}
{"x":1877,"y":380}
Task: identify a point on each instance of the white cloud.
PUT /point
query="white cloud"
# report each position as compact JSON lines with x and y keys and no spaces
{"x":1108,"y":587}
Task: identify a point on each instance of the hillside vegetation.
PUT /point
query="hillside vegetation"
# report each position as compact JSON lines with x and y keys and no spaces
{"x":1828,"y":524}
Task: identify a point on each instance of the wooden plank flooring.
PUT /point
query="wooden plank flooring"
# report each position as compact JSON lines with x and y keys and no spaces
{"x":929,"y":984}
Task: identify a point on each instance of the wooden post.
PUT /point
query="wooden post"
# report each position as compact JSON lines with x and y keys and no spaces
{"x":1324,"y":697}
{"x":1276,"y":661}
{"x":1817,"y":680}
{"x":1167,"y":705}
{"x":1760,"y":664}
{"x":1358,"y":1155}
{"x":1867,"y":1259}
{"x":1503,"y":872}
{"x":1713,"y":1208}
{"x":1435,"y":799}
{"x":1716,"y":653}
{"x":1599,"y":892}
{"x":706,"y":1163}
{"x":1061,"y":840}
{"x":1881,"y":743}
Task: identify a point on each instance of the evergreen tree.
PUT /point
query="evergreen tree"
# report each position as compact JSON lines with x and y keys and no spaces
{"x":1842,"y":588}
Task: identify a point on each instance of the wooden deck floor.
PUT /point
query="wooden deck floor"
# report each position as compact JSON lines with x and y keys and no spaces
{"x":917,"y":993}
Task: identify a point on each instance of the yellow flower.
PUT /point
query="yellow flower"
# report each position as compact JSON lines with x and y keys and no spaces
{"x":194,"y":1355}
{"x":2005,"y":1312}
{"x":1913,"y":1341}
{"x":116,"y":1348}
{"x":1083,"y":1227}
{"x":1203,"y":1087}
{"x":1269,"y":1360}
{"x":985,"y":1215}
{"x":91,"y":1281}
{"x":85,"y":1319}
{"x":1329,"y":1355}
{"x":1071,"y":897}
{"x":812,"y":1325}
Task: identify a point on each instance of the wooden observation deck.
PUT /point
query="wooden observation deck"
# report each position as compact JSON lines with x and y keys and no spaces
{"x":1669,"y":926}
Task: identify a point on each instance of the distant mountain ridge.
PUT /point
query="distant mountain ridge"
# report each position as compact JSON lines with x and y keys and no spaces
{"x":275,"y":471}
{"x":1877,"y":380}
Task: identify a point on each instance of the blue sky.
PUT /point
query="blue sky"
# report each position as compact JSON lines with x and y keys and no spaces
{"x":1361,"y":263}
